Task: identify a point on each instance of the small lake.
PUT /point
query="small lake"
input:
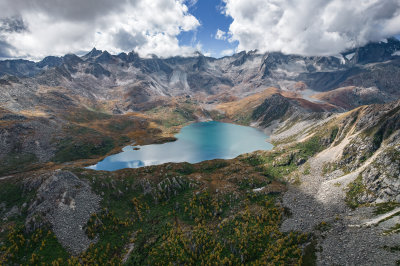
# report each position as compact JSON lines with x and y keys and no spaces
{"x":195,"y":143}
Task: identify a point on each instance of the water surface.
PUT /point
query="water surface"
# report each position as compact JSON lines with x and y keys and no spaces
{"x":195,"y":143}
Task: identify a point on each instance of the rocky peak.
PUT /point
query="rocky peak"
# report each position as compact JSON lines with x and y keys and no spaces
{"x":128,"y":58}
{"x":50,"y":61}
{"x":271,"y":60}
{"x":104,"y":57}
{"x":17,"y":67}
{"x":123,"y":56}
{"x":373,"y":52}
{"x":240,"y":58}
{"x":92,"y":54}
{"x":200,"y":63}
{"x":132,"y":56}
{"x":198,"y":53}
{"x":72,"y":59}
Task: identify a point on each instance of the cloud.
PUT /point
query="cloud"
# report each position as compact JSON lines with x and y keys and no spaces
{"x":191,"y":3}
{"x":221,"y":35}
{"x":227,"y":52}
{"x":12,"y":24}
{"x":38,"y":28}
{"x":5,"y":49}
{"x":311,"y":27}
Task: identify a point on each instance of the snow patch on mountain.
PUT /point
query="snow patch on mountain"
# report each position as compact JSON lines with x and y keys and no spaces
{"x":350,"y":56}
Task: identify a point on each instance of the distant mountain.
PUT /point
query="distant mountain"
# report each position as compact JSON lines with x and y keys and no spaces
{"x":97,"y":74}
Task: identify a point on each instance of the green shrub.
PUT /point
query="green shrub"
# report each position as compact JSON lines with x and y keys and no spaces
{"x":355,"y":189}
{"x":70,"y":150}
{"x":334,"y":133}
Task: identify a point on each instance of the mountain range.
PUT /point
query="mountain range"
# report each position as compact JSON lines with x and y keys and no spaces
{"x":333,"y":173}
{"x":368,"y":70}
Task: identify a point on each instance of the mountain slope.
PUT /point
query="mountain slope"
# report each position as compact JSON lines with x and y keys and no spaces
{"x":340,"y":175}
{"x":334,"y":170}
{"x":232,"y":88}
{"x":350,"y":182}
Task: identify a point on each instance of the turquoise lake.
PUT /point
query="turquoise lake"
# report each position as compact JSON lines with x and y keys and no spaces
{"x":195,"y":143}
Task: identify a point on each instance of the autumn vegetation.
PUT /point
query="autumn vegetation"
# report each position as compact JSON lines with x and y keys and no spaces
{"x":213,"y":217}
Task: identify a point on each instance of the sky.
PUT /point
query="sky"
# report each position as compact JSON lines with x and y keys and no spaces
{"x":210,"y":14}
{"x":33,"y":29}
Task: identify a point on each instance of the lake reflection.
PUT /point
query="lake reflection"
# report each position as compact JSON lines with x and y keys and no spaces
{"x":196,"y":142}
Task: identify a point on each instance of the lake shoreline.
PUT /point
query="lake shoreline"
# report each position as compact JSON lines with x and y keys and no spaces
{"x":200,"y":141}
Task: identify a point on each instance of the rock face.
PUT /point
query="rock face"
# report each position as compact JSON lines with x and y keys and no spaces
{"x":28,"y":137}
{"x":376,"y":123}
{"x":330,"y":201}
{"x":241,"y":74}
{"x":381,"y":179}
{"x":66,"y":203}
{"x":356,"y":152}
{"x":25,"y":141}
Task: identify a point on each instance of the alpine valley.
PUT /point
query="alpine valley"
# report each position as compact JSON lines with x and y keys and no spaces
{"x":328,"y":193}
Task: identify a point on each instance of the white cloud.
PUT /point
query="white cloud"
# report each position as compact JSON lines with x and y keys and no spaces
{"x":191,"y":3}
{"x":221,"y":35}
{"x":227,"y":52}
{"x":59,"y":27}
{"x":311,"y":27}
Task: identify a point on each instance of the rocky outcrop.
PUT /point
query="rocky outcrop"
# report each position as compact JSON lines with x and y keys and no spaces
{"x":25,"y":141}
{"x":374,"y":52}
{"x":337,"y":203}
{"x":66,"y":203}
{"x":381,"y":179}
{"x":165,"y":189}
{"x":356,"y":152}
{"x":374,"y":125}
